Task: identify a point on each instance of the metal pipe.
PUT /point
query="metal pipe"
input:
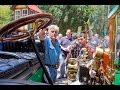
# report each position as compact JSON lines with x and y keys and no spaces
{"x":40,"y":61}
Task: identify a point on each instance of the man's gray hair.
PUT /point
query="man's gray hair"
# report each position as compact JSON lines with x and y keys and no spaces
{"x":53,"y":27}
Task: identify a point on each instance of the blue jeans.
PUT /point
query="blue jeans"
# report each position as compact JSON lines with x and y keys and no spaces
{"x":52,"y":73}
{"x":62,"y":64}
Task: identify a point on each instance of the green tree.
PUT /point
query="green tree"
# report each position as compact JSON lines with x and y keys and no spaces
{"x":99,"y":19}
{"x":68,"y":16}
{"x":5,"y":14}
{"x":72,"y":16}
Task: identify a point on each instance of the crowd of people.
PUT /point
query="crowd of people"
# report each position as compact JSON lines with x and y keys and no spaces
{"x":59,"y":48}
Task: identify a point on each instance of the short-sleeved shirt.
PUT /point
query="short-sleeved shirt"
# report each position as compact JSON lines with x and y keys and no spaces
{"x":65,"y":42}
{"x":52,"y":52}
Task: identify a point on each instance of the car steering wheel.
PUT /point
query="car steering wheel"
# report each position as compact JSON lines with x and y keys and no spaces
{"x":12,"y":31}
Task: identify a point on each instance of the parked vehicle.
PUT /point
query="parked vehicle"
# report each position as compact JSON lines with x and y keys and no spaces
{"x":20,"y":60}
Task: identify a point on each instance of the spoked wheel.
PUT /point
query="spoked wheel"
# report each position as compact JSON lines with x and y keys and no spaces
{"x":12,"y":31}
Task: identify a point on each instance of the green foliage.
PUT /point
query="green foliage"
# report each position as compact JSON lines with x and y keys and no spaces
{"x":73,"y":16}
{"x":67,"y":16}
{"x":5,"y":14}
{"x":99,"y":19}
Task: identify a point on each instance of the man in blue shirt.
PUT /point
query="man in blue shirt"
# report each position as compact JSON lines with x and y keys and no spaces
{"x":52,"y":51}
